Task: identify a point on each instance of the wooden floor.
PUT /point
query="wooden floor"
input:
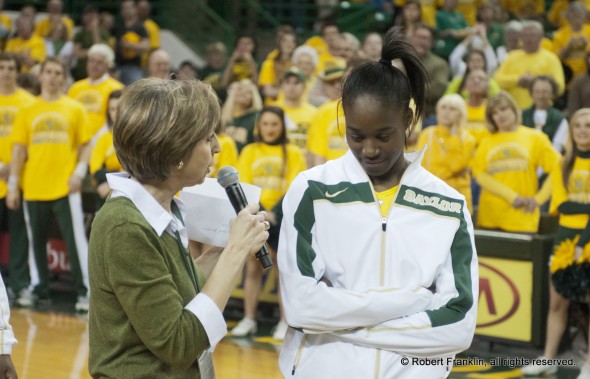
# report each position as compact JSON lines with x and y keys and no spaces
{"x":55,"y":346}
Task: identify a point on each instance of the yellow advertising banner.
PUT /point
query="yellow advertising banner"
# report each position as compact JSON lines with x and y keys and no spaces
{"x":505,"y":298}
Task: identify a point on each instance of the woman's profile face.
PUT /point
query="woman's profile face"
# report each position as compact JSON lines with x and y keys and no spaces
{"x":197,"y":165}
{"x":447,"y":115}
{"x":376,"y":136}
{"x":581,"y":132}
{"x":270,"y":127}
{"x":504,"y":118}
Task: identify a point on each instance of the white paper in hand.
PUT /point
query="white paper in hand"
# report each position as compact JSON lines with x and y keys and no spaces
{"x":209,"y":211}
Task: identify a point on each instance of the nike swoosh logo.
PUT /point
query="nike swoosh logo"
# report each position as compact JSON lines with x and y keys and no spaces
{"x":330,"y":195}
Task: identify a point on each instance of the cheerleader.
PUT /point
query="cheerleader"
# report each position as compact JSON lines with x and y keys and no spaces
{"x":570,"y":263}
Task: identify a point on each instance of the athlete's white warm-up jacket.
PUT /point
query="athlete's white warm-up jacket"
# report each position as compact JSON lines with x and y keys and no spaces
{"x":364,"y":294}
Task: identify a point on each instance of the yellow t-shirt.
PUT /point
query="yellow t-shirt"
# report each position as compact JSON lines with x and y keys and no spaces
{"x":511,"y":159}
{"x":556,"y":14}
{"x":326,"y":136}
{"x":302,"y":117}
{"x":44,"y":26}
{"x":578,"y":190}
{"x":103,"y":154}
{"x":385,"y":199}
{"x":577,"y":54}
{"x":518,"y":63}
{"x":94,"y":98}
{"x":476,"y":122}
{"x":52,"y":132}
{"x":448,"y":157}
{"x":228,"y":156}
{"x":318,"y":43}
{"x":34,"y":47}
{"x":272,"y":73}
{"x":9,"y":107}
{"x":264,"y":166}
{"x":469,"y":10}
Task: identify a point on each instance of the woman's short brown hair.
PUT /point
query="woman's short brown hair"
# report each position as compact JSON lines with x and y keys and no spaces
{"x":501,"y":100}
{"x":159,"y":122}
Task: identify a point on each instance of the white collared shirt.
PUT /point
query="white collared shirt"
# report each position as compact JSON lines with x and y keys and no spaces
{"x":162,"y":221}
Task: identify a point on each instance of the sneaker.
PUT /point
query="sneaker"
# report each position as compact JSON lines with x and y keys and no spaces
{"x":538,"y":370}
{"x":82,"y":304}
{"x":585,"y":371}
{"x":280,"y":331}
{"x":26,"y":298}
{"x":244,"y":328}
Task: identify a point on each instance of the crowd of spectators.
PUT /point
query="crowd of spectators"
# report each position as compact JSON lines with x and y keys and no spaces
{"x":502,"y":67}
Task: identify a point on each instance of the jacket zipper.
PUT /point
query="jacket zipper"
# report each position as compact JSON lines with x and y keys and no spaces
{"x":382,"y":265}
{"x":298,"y":356}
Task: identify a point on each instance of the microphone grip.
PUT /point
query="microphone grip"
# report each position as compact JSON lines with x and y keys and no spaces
{"x":264,"y":257}
{"x":238,"y":200}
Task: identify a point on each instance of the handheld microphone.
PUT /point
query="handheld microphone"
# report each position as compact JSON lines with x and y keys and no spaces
{"x":229,"y":179}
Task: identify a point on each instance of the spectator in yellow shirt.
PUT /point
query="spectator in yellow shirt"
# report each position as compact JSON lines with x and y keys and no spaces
{"x":54,"y":16}
{"x":103,"y":158}
{"x":477,"y":84}
{"x":52,"y":135}
{"x":242,"y":64}
{"x":298,"y":110}
{"x":450,"y":146}
{"x":571,"y":41}
{"x":144,"y":10}
{"x":12,"y":99}
{"x":94,"y":91}
{"x":270,"y":163}
{"x":273,"y":69}
{"x":505,"y":165}
{"x":240,"y":110}
{"x":28,"y":47}
{"x":516,"y":73}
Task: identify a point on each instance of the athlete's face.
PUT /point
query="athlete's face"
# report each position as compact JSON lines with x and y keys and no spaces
{"x":376,"y":136}
{"x":581,"y":132}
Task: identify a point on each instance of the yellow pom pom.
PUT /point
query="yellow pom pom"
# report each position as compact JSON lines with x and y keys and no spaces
{"x":563,"y":256}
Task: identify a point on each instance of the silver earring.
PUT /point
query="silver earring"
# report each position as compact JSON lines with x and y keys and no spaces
{"x":180,"y":165}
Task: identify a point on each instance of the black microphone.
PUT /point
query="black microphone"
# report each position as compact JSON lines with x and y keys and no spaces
{"x":229,"y":179}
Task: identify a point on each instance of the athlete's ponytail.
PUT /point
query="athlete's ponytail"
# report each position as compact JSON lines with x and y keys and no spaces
{"x":398,"y":77}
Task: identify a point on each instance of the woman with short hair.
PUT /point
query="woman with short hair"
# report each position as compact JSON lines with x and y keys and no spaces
{"x":154,"y":312}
